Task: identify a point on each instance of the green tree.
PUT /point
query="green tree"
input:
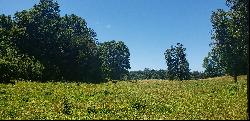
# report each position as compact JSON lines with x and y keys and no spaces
{"x":64,"y":45}
{"x":212,"y":65}
{"x":162,"y":74}
{"x":137,"y":75}
{"x":41,"y":25}
{"x":147,"y":74}
{"x":115,"y":59}
{"x":197,"y":75}
{"x":13,"y":64}
{"x":230,"y":35}
{"x":171,"y":64}
{"x":154,"y":74}
{"x":79,"y":55}
{"x":178,"y":66}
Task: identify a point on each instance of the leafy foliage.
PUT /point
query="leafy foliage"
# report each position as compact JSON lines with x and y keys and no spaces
{"x":212,"y":65}
{"x":40,"y":40}
{"x":79,"y":58}
{"x":63,"y":48}
{"x":178,"y":66}
{"x":13,"y":64}
{"x":147,"y":74}
{"x":195,"y":75}
{"x":115,"y":59}
{"x":230,"y":35}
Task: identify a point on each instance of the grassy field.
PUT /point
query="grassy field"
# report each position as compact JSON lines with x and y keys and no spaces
{"x":216,"y":98}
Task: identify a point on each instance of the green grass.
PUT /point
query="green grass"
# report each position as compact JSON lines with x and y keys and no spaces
{"x":216,"y":98}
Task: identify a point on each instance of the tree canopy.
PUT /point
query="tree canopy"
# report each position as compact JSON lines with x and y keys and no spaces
{"x":14,"y":64}
{"x":57,"y":47}
{"x":115,"y":59}
{"x":230,"y":35}
{"x":64,"y":45}
{"x":178,"y":66}
{"x":212,"y":65}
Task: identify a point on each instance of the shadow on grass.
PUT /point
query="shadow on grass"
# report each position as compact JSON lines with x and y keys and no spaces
{"x":13,"y":81}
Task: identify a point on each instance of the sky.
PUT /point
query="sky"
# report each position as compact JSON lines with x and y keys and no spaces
{"x":147,"y":27}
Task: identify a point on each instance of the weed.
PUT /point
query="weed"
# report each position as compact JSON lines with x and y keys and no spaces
{"x":138,"y":105}
{"x":105,"y":92}
{"x":66,"y":106}
{"x":92,"y":110}
{"x":25,"y":99}
{"x":3,"y":91}
{"x":48,"y":93}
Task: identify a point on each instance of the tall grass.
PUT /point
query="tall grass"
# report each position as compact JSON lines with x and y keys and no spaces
{"x":216,"y":98}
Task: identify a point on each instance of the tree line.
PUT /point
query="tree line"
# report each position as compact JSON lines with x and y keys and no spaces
{"x":148,"y":73}
{"x":40,"y":44}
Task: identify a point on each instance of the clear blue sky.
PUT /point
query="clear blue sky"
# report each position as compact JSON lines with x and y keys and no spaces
{"x":148,"y":27}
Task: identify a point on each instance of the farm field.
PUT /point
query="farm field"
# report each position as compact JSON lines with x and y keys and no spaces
{"x":214,"y":98}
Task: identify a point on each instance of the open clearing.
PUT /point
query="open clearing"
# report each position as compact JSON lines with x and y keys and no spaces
{"x":216,"y":98}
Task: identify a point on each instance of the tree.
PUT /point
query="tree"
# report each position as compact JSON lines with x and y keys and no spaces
{"x":147,"y":74}
{"x":13,"y":64}
{"x":162,"y":74}
{"x":230,"y":35}
{"x":212,"y":65}
{"x":41,"y":25}
{"x":115,"y":59}
{"x":178,"y":66}
{"x":154,"y":74}
{"x":197,"y":75}
{"x":171,"y":64}
{"x":64,"y":45}
{"x":79,"y":59}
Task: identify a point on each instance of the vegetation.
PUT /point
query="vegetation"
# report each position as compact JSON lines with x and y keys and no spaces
{"x":231,"y":35}
{"x":115,"y":59}
{"x":147,"y":74}
{"x":178,"y":66}
{"x":213,"y":67}
{"x":214,"y":98}
{"x":14,"y":64}
{"x":64,"y":45}
{"x":195,"y":75}
{"x":39,"y":45}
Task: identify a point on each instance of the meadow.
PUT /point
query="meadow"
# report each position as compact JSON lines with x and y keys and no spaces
{"x":214,"y":98}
